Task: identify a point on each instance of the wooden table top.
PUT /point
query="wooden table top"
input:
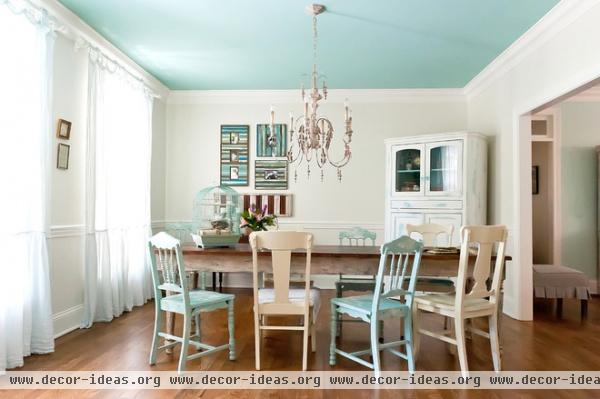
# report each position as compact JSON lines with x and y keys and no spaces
{"x":335,"y":251}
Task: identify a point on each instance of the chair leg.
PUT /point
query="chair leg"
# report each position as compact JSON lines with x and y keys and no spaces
{"x":459,"y":327}
{"x":559,"y":308}
{"x":257,"y":338}
{"x":338,"y":294}
{"x":170,"y":327}
{"x":155,"y":337}
{"x":231,"y":328}
{"x":187,"y":327}
{"x":375,"y":345}
{"x":313,"y":335}
{"x":197,"y":329}
{"x":305,"y":342}
{"x":416,"y":335}
{"x":333,"y":331}
{"x":203,"y":281}
{"x":494,"y":341}
{"x":584,"y":309}
{"x":408,"y":337}
{"x":220,"y":281}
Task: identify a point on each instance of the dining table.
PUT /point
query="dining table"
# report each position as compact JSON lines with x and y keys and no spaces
{"x":325,"y":260}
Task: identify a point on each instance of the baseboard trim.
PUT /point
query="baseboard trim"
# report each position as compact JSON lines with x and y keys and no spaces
{"x":67,"y":320}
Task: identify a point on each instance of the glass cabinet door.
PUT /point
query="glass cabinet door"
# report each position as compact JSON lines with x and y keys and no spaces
{"x":408,"y":170}
{"x":444,"y":168}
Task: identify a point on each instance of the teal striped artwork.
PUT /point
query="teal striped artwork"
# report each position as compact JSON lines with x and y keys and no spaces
{"x":270,"y":175}
{"x":234,"y":155}
{"x":271,"y":147}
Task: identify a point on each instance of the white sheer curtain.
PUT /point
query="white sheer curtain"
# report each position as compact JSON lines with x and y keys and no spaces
{"x":26,"y":46}
{"x":117,"y":274}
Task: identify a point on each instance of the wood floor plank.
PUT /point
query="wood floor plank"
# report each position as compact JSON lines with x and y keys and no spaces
{"x":545,"y":344}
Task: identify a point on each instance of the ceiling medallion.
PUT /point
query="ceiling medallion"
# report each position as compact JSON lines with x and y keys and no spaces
{"x":311,"y":135}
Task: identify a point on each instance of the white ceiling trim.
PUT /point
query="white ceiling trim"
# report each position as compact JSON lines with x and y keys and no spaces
{"x":75,"y":27}
{"x":559,"y":17}
{"x":334,"y":96}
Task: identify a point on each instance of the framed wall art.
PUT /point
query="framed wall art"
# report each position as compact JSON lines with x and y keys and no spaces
{"x":234,"y":155}
{"x":270,"y":175}
{"x":63,"y":130}
{"x":266,"y":146}
{"x":62,"y":156}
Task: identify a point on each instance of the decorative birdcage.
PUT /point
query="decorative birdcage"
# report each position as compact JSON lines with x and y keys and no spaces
{"x":216,"y":217}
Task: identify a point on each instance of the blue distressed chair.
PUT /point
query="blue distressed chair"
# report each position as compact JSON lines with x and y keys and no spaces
{"x":354,"y":237}
{"x":394,"y":266}
{"x":167,"y":269}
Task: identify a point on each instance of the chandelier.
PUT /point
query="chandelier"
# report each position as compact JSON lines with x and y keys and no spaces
{"x":311,"y":135}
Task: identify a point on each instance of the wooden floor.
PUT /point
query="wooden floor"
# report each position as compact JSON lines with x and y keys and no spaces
{"x":123,"y":344}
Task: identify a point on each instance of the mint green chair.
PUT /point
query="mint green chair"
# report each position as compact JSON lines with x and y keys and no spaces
{"x":390,"y":282}
{"x":354,"y":237}
{"x":167,"y":269}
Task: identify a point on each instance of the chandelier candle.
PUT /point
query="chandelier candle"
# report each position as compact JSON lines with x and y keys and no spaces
{"x":311,"y":135}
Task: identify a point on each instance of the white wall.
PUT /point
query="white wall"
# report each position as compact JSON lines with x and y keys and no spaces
{"x":193,"y":154}
{"x":324,"y":209}
{"x":564,"y":56}
{"x":580,"y":136}
{"x":67,"y":217}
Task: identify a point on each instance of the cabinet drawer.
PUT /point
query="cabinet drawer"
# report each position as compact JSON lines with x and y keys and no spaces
{"x":425,"y":204}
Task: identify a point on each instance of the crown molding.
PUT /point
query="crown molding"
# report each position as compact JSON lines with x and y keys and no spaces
{"x":74,"y":27}
{"x":334,"y":96}
{"x":559,"y":17}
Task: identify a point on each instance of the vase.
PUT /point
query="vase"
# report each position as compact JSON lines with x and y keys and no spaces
{"x":245,"y":234}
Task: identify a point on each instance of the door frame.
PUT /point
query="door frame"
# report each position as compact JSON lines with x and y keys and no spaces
{"x":519,"y":280}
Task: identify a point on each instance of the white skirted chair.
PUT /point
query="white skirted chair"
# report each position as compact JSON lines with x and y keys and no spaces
{"x":167,"y":271}
{"x":281,"y":300}
{"x":482,"y":300}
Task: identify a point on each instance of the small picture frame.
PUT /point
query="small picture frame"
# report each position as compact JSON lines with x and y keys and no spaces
{"x":62,"y":156}
{"x":535,"y":180}
{"x":63,"y":130}
{"x":270,"y":175}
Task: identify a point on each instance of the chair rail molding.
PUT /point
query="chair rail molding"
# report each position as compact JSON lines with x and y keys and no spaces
{"x":67,"y":230}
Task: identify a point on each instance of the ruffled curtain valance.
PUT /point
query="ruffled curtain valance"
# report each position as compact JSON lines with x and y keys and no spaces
{"x":35,"y":15}
{"x":102,"y":61}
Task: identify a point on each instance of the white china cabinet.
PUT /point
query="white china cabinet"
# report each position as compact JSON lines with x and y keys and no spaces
{"x":438,"y":178}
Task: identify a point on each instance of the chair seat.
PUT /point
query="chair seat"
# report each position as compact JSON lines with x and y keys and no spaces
{"x":363,"y":304}
{"x":446,"y":302}
{"x":198,"y":299}
{"x":296,"y":295}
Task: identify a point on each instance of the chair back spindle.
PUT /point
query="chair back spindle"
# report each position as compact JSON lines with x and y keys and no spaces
{"x":168,"y":268}
{"x":395,"y":264}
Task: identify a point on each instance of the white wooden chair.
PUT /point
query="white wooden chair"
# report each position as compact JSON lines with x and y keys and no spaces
{"x":482,"y":300}
{"x":167,"y":269}
{"x":281,"y":300}
{"x":433,"y":235}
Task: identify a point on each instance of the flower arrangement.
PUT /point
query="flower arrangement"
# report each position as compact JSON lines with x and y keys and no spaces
{"x":257,"y":220}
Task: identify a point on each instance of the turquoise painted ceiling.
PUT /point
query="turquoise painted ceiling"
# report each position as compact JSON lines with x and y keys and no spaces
{"x":266,"y":44}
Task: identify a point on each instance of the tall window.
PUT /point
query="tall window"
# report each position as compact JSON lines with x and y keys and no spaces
{"x":25,"y":311}
{"x":118,"y":192}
